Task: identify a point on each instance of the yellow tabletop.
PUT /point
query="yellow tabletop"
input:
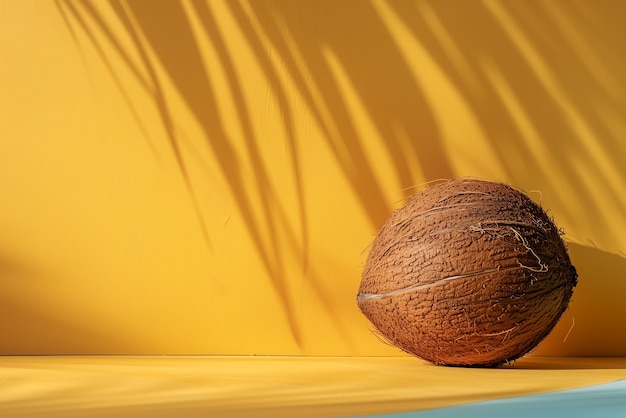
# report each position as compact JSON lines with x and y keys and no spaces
{"x":295,"y":386}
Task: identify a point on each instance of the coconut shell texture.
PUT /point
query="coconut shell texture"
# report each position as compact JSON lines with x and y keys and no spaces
{"x":467,"y":273}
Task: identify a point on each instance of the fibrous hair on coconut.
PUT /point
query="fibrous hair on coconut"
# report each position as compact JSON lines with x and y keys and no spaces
{"x":467,"y":273}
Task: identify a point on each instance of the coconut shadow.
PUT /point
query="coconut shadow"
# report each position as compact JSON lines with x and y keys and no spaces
{"x":593,"y":324}
{"x":568,"y":363}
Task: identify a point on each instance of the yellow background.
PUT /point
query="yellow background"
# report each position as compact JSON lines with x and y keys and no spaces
{"x":206,"y":176}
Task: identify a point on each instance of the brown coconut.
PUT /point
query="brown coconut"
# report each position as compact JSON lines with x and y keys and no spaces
{"x":467,"y":273}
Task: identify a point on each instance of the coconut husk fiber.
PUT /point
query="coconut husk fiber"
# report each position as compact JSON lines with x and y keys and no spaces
{"x":467,"y":273}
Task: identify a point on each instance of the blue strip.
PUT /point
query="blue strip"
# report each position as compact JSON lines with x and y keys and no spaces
{"x":599,"y":401}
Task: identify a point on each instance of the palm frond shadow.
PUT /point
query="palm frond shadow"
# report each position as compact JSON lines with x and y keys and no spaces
{"x":70,"y":13}
{"x":514,"y":82}
{"x":380,"y":75}
{"x":541,"y":92}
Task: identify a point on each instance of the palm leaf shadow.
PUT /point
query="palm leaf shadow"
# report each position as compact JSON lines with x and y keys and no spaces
{"x":61,"y":6}
{"x":359,"y":39}
{"x":263,"y":183}
{"x":380,"y":76}
{"x":517,"y":58}
{"x":155,"y":91}
{"x":205,"y":110}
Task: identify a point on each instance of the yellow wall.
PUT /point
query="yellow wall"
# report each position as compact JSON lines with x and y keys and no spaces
{"x":205,"y":176}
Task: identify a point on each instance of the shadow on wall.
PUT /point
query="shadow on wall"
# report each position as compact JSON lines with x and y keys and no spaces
{"x":544,"y":82}
{"x":299,"y":35}
{"x":547,"y":100}
{"x":594,"y":323}
{"x":25,"y":330}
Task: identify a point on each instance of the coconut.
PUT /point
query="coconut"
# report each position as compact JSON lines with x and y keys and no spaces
{"x":467,"y":273}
